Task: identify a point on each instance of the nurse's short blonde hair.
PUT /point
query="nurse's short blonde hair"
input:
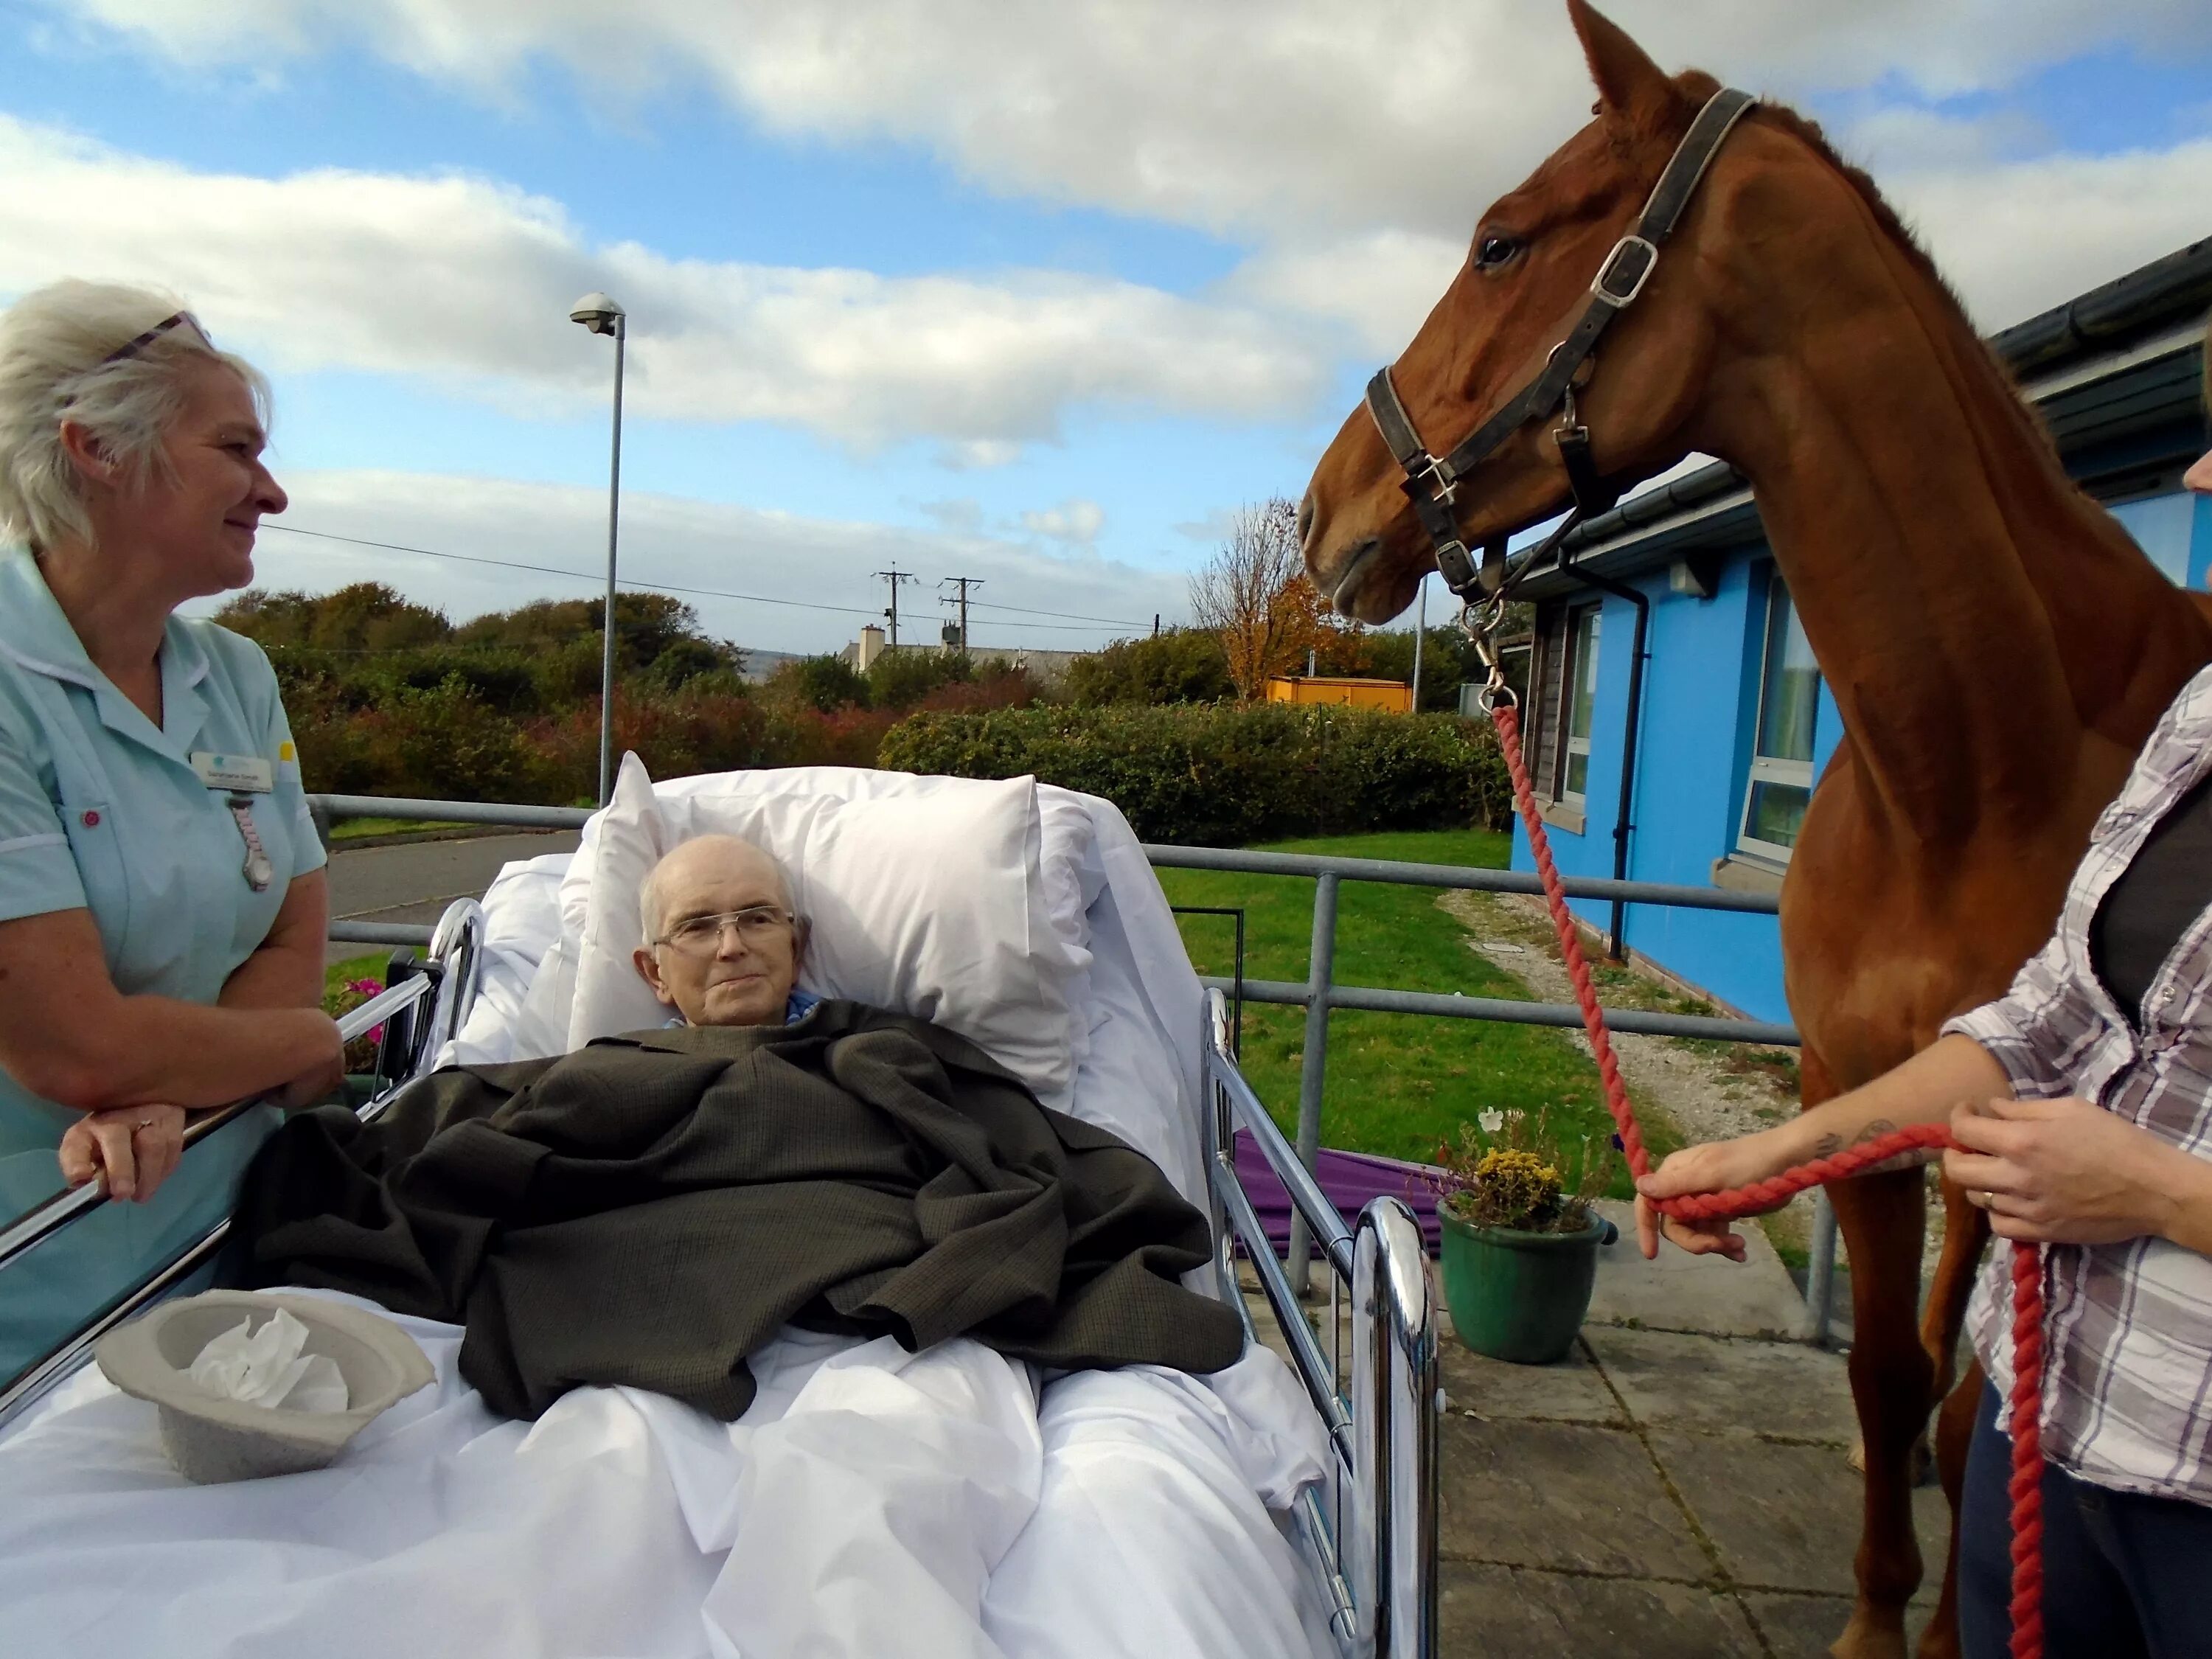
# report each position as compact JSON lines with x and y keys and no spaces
{"x":59,"y":361}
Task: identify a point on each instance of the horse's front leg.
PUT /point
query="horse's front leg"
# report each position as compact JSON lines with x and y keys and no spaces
{"x":1882,"y":1219}
{"x":1965,"y":1233}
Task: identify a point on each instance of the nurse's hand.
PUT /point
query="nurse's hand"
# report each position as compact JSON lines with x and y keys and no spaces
{"x":137,"y":1147}
{"x":317,"y":1083}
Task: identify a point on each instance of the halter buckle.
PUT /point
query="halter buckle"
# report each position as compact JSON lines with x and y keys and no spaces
{"x":1427,"y":476}
{"x":1625,"y":270}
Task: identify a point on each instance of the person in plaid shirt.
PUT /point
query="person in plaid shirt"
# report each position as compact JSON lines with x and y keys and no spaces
{"x":2095,"y":1139}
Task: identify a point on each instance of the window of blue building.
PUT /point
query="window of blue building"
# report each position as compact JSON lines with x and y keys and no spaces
{"x":1562,"y":704}
{"x":1780,"y":782}
{"x":1581,"y":681}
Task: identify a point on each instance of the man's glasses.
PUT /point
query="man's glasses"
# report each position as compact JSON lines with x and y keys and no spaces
{"x":701,"y":936}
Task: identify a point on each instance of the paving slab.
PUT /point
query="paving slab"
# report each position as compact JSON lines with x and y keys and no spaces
{"x":1733,"y":1385}
{"x":1803,"y":1627}
{"x":1571,"y":1391}
{"x":1507,"y":1613}
{"x":1755,"y":1296}
{"x":1561,"y":1495}
{"x":1786,"y":1517}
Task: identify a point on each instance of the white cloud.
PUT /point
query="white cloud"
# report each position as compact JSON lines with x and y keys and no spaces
{"x":2019,"y":237}
{"x":1075,"y":521}
{"x":1241,"y":115}
{"x":1379,"y":283}
{"x":468,"y":282}
{"x":684,"y":544}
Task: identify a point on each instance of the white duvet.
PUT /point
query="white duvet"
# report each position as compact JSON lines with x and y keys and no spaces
{"x":871,"y":1502}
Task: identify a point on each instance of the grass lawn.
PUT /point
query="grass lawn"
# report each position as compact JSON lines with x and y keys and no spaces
{"x":352,"y":828}
{"x":371,"y":966}
{"x":1397,"y":1083}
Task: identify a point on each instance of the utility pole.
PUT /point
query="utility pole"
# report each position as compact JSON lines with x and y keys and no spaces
{"x":895,"y":576}
{"x":965,"y":583}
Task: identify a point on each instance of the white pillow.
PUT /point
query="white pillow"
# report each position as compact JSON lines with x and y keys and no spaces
{"x":925,"y":896}
{"x":522,"y":925}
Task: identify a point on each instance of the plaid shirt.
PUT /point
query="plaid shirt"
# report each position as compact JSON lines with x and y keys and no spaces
{"x":2127,"y":1389}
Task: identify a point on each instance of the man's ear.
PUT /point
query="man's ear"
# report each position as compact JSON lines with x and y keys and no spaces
{"x":649,"y":969}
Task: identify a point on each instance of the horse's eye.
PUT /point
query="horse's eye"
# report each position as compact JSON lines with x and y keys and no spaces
{"x":1493,"y":249}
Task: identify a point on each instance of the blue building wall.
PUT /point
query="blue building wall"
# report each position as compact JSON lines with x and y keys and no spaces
{"x":1700,"y":701}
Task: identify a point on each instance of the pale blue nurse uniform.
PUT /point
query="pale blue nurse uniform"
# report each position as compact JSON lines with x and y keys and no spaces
{"x":101,"y":810}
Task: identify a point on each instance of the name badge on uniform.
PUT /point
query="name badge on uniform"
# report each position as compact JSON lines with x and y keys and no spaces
{"x":248,"y":774}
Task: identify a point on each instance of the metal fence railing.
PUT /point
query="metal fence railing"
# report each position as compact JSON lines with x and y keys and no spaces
{"x":1320,"y":995}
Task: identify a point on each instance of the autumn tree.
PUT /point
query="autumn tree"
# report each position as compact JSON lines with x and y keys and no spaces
{"x":1255,"y":594}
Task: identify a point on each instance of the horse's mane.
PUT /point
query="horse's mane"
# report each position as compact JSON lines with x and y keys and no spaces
{"x":1808,"y":132}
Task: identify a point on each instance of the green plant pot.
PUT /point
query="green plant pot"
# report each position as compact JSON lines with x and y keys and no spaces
{"x":1518,"y":1296}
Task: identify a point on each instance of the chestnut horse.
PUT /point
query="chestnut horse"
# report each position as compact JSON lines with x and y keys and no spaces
{"x":1998,"y":646}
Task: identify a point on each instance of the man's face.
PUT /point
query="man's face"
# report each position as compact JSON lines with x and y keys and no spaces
{"x":728,"y":948}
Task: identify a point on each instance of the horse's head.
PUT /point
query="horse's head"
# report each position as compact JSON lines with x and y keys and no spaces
{"x":1527,"y":277}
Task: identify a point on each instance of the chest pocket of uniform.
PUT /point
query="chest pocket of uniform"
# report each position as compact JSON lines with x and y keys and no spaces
{"x":95,"y":842}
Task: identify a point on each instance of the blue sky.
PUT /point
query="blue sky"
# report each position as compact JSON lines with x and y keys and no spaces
{"x":1040,"y":294}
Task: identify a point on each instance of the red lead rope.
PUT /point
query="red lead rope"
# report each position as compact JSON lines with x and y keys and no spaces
{"x":2025,"y":1489}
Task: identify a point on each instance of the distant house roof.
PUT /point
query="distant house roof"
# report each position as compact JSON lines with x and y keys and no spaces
{"x":2117,"y":373}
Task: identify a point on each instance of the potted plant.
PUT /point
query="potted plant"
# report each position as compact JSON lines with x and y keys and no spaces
{"x":1520,"y":1241}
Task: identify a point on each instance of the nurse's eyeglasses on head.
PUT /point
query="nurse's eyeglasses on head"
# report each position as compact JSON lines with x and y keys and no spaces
{"x":132,"y":347}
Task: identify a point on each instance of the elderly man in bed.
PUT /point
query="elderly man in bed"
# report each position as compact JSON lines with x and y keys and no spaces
{"x":652,"y":1207}
{"x":722,"y":942}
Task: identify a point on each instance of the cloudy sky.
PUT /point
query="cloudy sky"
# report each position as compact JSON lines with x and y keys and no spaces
{"x":1035,"y":291}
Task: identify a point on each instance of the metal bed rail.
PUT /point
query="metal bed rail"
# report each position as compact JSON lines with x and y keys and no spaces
{"x":1375,"y":1549}
{"x":447,"y":983}
{"x":1321,"y":995}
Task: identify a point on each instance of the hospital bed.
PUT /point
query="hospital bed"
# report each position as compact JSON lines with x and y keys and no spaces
{"x":1058,"y":953}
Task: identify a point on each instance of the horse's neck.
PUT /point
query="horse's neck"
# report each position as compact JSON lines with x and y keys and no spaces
{"x":1975,"y":616}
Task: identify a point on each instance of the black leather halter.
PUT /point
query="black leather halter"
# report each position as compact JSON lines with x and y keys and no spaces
{"x":1432,"y":482}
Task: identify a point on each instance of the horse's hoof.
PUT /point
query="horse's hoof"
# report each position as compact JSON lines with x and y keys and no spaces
{"x":1870,"y":1636}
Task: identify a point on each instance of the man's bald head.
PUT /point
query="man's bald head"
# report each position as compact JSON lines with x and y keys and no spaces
{"x":705,"y":859}
{"x":722,"y":940}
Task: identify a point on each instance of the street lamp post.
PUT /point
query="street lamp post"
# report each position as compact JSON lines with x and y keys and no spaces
{"x":1420,"y":627}
{"x":600,"y":314}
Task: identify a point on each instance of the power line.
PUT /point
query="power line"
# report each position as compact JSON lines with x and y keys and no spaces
{"x":1117,"y":622}
{"x":574,"y":576}
{"x":671,"y":587}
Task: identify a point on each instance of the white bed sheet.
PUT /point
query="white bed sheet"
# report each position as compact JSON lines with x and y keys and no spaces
{"x":871,"y":1502}
{"x":1140,"y":1511}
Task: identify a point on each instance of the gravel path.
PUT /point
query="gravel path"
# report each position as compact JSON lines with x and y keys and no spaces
{"x":1704,"y":1091}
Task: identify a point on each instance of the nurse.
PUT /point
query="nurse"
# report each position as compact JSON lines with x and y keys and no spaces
{"x":162,"y":902}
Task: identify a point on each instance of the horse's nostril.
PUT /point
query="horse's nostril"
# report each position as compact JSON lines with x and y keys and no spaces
{"x":1305,"y":518}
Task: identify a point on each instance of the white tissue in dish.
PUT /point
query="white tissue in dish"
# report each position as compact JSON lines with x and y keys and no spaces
{"x":266,"y":1368}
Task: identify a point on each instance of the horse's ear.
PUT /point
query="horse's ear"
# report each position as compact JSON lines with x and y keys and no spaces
{"x":1633,"y":92}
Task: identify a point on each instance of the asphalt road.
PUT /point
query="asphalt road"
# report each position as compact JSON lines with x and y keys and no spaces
{"x":413,"y":884}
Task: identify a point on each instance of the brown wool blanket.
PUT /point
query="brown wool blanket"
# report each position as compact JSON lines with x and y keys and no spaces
{"x":655,"y":1207}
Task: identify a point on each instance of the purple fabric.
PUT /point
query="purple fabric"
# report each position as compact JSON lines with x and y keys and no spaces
{"x":1348,"y":1179}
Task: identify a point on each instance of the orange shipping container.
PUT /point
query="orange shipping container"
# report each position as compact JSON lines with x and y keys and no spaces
{"x":1392,"y":696}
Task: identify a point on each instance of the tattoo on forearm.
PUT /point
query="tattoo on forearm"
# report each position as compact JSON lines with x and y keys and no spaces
{"x":1829,"y":1144}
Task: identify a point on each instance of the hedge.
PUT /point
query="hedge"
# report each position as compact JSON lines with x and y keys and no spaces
{"x":1221,"y":776}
